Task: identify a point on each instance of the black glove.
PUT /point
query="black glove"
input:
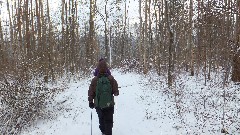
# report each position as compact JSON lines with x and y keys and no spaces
{"x":91,"y":105}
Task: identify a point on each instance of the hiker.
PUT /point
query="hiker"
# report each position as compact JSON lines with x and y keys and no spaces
{"x":95,"y":73}
{"x":100,"y":96}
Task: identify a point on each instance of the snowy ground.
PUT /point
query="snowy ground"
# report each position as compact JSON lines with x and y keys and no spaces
{"x":142,"y":109}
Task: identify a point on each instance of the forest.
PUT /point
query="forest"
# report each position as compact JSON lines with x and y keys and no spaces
{"x":39,"y":45}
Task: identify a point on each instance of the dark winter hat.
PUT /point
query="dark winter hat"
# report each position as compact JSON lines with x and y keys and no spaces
{"x":102,"y":66}
{"x":101,"y":59}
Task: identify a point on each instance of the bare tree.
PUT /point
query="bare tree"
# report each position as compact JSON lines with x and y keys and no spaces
{"x":145,"y":39}
{"x":236,"y":57}
{"x":140,"y":40}
{"x":1,"y":44}
{"x":89,"y":48}
{"x":170,"y":44}
{"x":190,"y":42}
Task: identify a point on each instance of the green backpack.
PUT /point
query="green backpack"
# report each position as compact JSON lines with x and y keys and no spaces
{"x":103,"y":98}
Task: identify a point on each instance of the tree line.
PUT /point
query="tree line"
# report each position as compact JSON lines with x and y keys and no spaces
{"x":199,"y":37}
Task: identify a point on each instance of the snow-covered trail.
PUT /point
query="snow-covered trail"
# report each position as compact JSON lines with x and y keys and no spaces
{"x":145,"y":106}
{"x":130,"y":116}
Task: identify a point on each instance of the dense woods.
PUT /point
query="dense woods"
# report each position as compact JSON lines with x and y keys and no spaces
{"x":196,"y":36}
{"x":170,"y":36}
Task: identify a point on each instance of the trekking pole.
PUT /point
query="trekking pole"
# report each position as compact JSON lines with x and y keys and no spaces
{"x":116,"y":107}
{"x":91,"y":122}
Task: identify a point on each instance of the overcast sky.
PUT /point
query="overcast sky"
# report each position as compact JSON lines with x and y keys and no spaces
{"x":55,"y":8}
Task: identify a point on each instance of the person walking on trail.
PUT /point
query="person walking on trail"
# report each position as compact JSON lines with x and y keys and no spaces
{"x":100,"y":96}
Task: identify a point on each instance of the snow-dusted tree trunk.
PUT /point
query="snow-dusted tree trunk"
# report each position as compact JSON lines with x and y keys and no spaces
{"x":89,"y":48}
{"x":140,"y":33}
{"x":10,"y":23}
{"x":190,"y":41}
{"x":156,"y":51}
{"x":106,"y":32}
{"x":236,"y":57}
{"x":236,"y":67}
{"x":170,"y":44}
{"x":27,"y":30}
{"x":145,"y":38}
{"x":1,"y":44}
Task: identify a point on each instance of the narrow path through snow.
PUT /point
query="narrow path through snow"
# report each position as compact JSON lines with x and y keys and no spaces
{"x":130,"y":117}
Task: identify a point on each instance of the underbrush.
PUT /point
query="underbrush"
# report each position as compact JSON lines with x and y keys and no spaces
{"x":195,"y":107}
{"x":22,"y":104}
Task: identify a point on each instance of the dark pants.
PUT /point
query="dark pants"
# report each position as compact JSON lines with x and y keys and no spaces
{"x":105,"y":120}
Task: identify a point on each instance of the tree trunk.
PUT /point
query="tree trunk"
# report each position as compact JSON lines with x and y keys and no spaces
{"x":236,"y":57}
{"x":89,"y":49}
{"x":1,"y":45}
{"x":190,"y":38}
{"x":145,"y":70}
{"x":236,"y":67}
{"x":39,"y":26}
{"x":27,"y":32}
{"x":19,"y":25}
{"x":106,"y":33}
{"x":10,"y":22}
{"x":140,"y":34}
{"x":170,"y":48}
